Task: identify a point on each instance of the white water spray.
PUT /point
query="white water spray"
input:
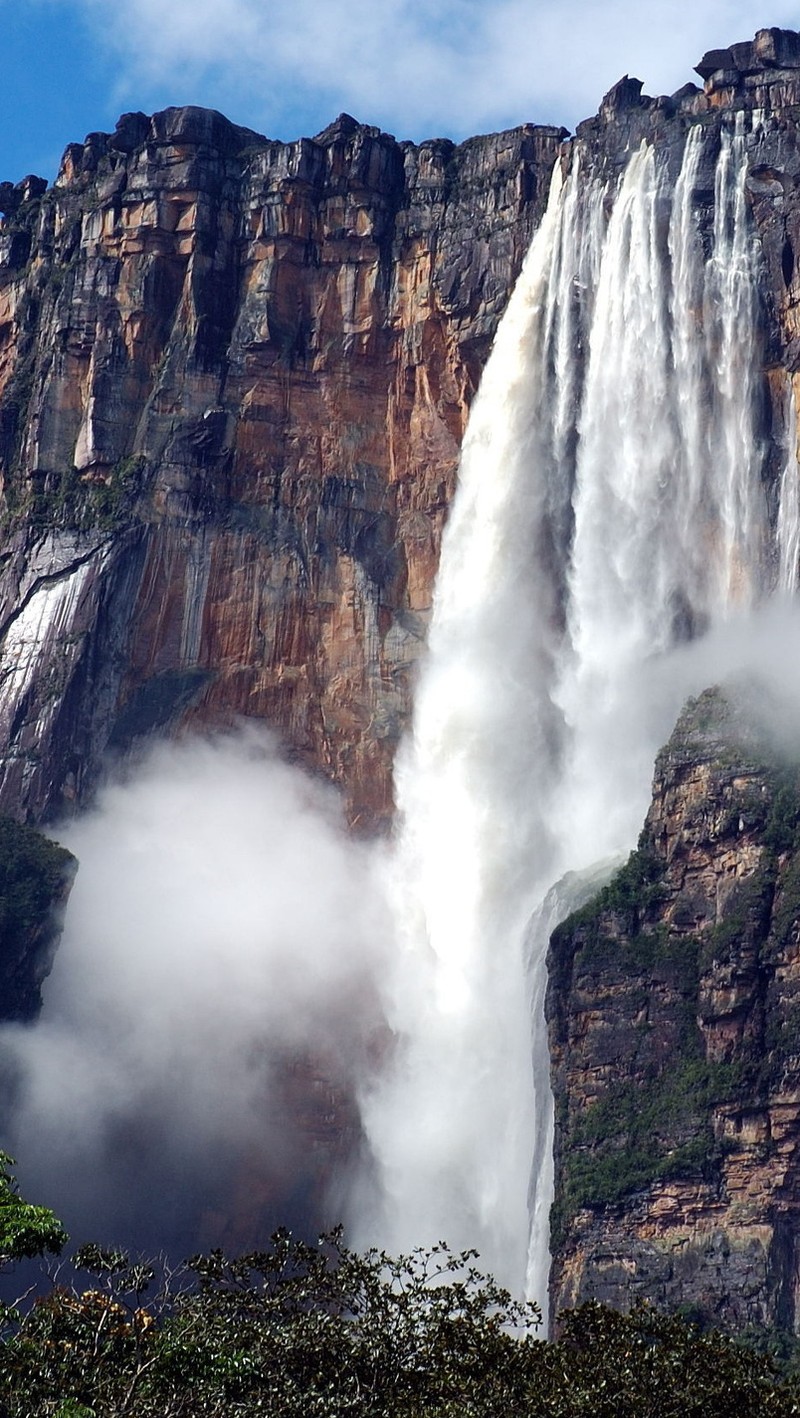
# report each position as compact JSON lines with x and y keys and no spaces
{"x":455,"y":1122}
{"x":609,"y":506}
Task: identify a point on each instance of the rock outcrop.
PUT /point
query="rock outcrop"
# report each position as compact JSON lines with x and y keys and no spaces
{"x":673,"y":1012}
{"x":35,"y":878}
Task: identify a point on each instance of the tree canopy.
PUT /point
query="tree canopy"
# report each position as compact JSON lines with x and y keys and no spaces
{"x":320,"y":1331}
{"x":26,"y":1230}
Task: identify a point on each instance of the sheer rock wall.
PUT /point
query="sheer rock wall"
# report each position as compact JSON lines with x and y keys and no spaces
{"x":234,"y":376}
{"x":673,"y":1010}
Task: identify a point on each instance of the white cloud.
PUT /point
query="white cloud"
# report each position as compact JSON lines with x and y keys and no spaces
{"x":413,"y":66}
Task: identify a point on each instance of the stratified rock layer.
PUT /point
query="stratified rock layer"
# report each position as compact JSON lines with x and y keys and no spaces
{"x":673,"y":1010}
{"x":234,"y":376}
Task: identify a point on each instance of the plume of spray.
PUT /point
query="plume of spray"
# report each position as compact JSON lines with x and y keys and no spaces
{"x":214,"y":977}
{"x":451,"y":1122}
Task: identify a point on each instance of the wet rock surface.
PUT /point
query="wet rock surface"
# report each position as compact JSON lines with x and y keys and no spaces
{"x":238,"y":372}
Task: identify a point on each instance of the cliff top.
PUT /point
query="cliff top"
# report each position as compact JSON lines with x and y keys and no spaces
{"x":207,"y":129}
{"x":771,"y":49}
{"x":743,"y":720}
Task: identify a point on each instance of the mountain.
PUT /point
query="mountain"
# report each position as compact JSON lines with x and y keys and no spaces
{"x":234,"y":379}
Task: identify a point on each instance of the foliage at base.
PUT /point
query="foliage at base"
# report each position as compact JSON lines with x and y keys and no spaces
{"x":303,"y":1331}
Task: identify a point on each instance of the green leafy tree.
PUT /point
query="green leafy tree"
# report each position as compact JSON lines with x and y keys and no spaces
{"x":651,"y":1365}
{"x":318,"y":1331}
{"x":26,"y":1230}
{"x":296,"y":1330}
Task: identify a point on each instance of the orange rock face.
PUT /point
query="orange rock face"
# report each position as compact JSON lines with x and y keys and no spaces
{"x":234,"y":376}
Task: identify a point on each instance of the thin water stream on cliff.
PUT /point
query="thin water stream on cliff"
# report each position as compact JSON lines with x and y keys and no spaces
{"x":610,"y":506}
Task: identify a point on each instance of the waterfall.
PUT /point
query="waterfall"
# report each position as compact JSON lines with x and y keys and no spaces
{"x":789,"y":504}
{"x":454,"y":1158}
{"x":609,"y":506}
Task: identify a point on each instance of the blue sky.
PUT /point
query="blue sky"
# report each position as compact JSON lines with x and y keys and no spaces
{"x":418,"y":68}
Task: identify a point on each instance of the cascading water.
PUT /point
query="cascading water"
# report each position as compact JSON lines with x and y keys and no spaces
{"x":789,"y":504}
{"x":452,"y":1156}
{"x":610,"y":505}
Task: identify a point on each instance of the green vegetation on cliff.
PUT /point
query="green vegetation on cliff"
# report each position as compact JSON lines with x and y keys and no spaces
{"x":34,"y":879}
{"x":652,"y":1121}
{"x":83,"y":502}
{"x":668,"y":1011}
{"x":637,"y":1134}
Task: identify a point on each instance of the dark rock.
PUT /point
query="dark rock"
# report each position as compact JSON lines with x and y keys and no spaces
{"x":35,"y":879}
{"x":687,"y":91}
{"x":30,"y":188}
{"x":201,"y":127}
{"x":9,"y":198}
{"x":743,"y":58}
{"x":780,"y":48}
{"x":626,"y":93}
{"x":713,"y":60}
{"x":14,"y":195}
{"x":342,"y":127}
{"x":130,"y":132}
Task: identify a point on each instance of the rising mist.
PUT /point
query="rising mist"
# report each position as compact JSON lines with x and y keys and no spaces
{"x":211,"y":1003}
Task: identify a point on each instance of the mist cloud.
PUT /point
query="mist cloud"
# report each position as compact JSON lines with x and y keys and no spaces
{"x":212,"y":992}
{"x":217,"y":1008}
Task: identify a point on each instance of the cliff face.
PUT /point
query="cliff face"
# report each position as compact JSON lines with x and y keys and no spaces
{"x":673,"y":1013}
{"x":234,"y":375}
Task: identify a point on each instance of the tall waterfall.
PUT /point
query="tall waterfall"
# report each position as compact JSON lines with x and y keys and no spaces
{"x":610,"y":505}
